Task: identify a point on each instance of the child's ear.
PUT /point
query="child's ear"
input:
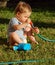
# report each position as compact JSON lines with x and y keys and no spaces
{"x":18,"y":13}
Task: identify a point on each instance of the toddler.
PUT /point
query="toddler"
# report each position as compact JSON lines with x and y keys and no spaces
{"x":19,"y":26}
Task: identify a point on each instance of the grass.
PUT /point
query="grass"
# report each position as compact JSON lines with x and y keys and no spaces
{"x":45,"y":20}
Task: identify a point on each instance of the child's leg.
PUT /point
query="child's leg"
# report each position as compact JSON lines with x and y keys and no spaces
{"x":31,"y":37}
{"x":24,"y":41}
{"x":25,"y":34}
{"x":14,"y":38}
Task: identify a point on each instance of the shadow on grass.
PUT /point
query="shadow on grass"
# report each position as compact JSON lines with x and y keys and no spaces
{"x":44,"y":25}
{"x":43,"y":9}
{"x":4,"y":44}
{"x":11,"y":9}
{"x":3,"y":41}
{"x":36,"y":6}
{"x":36,"y":23}
{"x":4,"y":21}
{"x":39,"y":4}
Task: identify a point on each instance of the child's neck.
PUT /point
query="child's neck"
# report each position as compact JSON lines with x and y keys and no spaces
{"x":16,"y":17}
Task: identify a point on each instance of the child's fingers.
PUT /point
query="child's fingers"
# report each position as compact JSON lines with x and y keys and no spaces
{"x":36,"y":30}
{"x":37,"y":43}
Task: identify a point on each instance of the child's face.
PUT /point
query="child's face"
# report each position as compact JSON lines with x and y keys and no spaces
{"x":23,"y":16}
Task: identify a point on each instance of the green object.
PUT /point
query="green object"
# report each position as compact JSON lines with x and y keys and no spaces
{"x":45,"y":39}
{"x":28,"y":61}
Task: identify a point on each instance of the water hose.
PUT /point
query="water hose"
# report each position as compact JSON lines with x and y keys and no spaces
{"x":40,"y":36}
{"x":28,"y":61}
{"x":45,"y":39}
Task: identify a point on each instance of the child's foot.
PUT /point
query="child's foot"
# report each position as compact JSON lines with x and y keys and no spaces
{"x":37,"y":43}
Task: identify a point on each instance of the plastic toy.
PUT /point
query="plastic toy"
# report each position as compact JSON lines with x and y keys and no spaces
{"x":22,"y":46}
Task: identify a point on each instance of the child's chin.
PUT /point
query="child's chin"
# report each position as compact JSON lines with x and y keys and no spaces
{"x":24,"y":21}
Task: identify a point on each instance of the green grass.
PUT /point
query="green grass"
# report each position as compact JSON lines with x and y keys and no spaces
{"x":45,"y":20}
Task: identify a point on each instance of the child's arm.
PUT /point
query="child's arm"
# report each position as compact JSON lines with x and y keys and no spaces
{"x":20,"y":26}
{"x":34,"y":29}
{"x":23,"y":25}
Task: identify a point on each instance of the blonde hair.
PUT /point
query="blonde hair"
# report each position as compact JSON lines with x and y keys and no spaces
{"x":23,"y":7}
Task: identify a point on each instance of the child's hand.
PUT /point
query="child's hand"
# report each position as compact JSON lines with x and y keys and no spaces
{"x":36,"y":30}
{"x":28,"y":28}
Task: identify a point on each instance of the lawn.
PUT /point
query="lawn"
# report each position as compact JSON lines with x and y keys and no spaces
{"x":45,"y":20}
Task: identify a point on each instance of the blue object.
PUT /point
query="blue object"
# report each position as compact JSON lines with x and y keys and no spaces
{"x":22,"y":46}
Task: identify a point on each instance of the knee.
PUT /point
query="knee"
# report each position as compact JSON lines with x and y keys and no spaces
{"x":12,"y":34}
